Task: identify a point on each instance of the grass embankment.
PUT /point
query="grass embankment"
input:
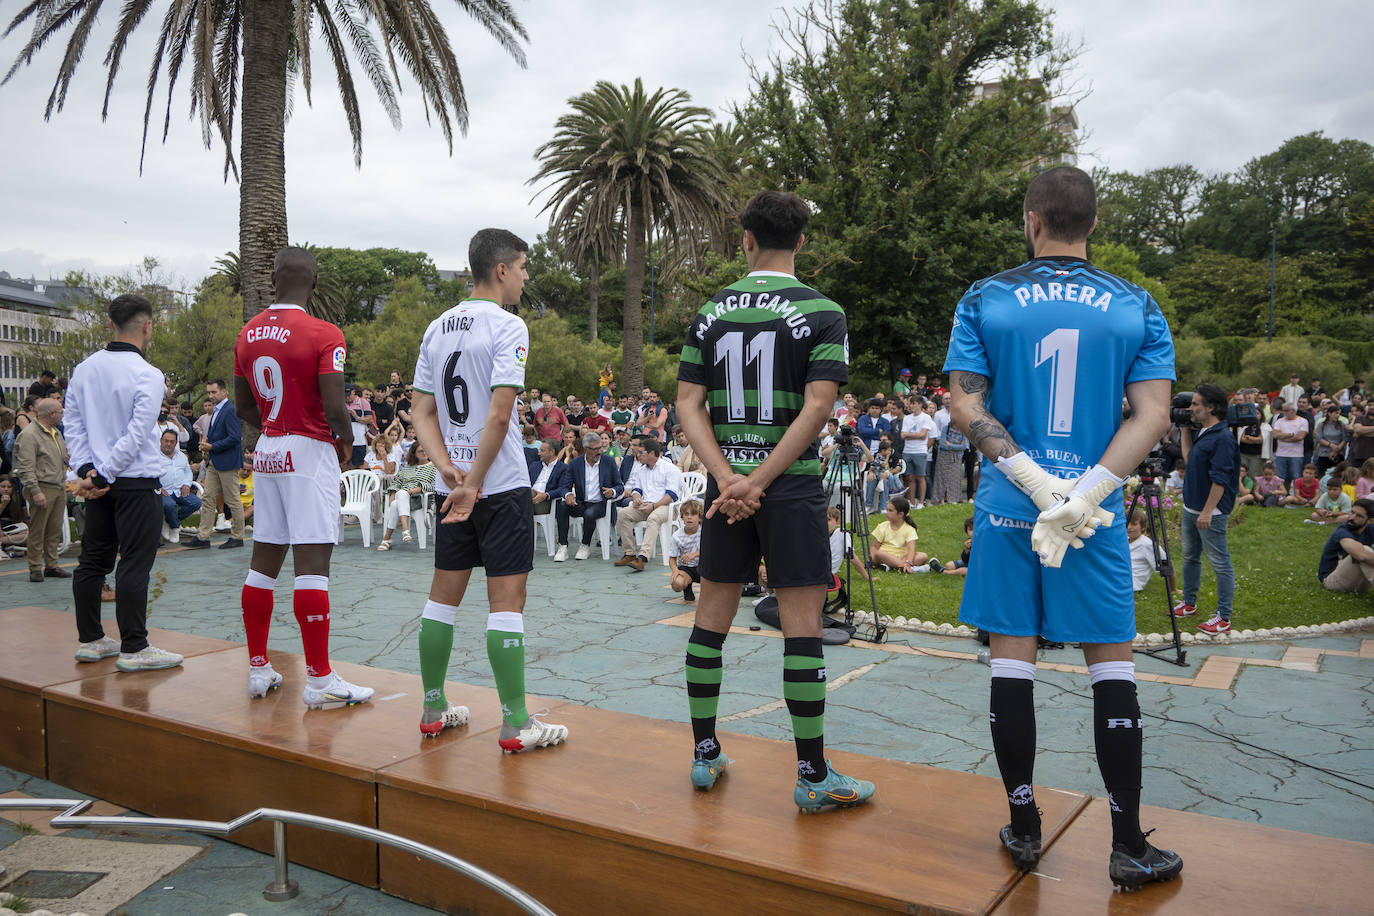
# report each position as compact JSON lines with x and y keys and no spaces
{"x":1274,"y":554}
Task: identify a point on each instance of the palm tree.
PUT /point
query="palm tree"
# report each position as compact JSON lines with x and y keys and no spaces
{"x":623,"y":157}
{"x":272,"y":37}
{"x":588,"y":243}
{"x":328,"y":301}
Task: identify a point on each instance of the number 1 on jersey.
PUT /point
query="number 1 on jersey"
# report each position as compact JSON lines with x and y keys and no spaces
{"x":1060,"y":349}
{"x":731,"y":350}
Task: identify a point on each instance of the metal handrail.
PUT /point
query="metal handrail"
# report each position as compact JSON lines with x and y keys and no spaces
{"x":283,"y":888}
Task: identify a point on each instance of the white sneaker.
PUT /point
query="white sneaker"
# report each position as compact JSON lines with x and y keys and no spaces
{"x":433,"y":721}
{"x":104,"y":647}
{"x":261,"y":680}
{"x":337,"y":692}
{"x":919,"y":506}
{"x":535,"y":733}
{"x":166,"y":532}
{"x":174,"y":536}
{"x":583,"y":552}
{"x":561,"y":554}
{"x":150,"y":658}
{"x":223,"y":524}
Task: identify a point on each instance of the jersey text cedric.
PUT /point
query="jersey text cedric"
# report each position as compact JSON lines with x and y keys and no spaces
{"x":282,"y":352}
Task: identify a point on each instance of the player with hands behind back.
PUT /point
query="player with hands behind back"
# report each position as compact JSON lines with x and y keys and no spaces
{"x":1039,"y":359}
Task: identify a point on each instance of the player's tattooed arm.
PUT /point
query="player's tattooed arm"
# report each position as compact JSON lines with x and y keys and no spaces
{"x":968,"y":411}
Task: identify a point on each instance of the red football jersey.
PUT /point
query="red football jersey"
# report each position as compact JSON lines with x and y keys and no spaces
{"x":282,"y":352}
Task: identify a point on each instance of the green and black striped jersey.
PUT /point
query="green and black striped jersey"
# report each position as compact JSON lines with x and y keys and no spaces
{"x":754,"y":347}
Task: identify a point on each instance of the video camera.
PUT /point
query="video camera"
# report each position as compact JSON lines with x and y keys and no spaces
{"x":1150,"y":469}
{"x":1180,"y":410}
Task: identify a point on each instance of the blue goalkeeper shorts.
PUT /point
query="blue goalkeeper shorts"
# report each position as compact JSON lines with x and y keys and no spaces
{"x":1089,"y":598}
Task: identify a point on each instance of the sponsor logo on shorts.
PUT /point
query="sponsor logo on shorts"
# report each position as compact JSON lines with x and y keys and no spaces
{"x":268,"y":463}
{"x":339,"y":356}
{"x":1001,"y":522}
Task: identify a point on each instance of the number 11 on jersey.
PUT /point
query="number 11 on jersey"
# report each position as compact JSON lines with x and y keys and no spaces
{"x":1060,"y":349}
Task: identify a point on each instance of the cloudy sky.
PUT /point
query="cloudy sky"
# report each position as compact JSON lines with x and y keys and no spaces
{"x":1211,"y":82}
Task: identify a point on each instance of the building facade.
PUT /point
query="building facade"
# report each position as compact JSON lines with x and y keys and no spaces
{"x":24,"y":304}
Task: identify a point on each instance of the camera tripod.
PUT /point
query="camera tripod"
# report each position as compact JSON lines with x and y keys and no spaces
{"x":843,"y":475}
{"x":1148,"y":491}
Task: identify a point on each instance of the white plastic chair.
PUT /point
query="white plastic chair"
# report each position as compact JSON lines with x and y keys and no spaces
{"x":548,"y":522}
{"x":603,"y":533}
{"x":693,"y":485}
{"x":358,"y":487}
{"x":665,"y":533}
{"x":423,"y":521}
{"x":66,"y":528}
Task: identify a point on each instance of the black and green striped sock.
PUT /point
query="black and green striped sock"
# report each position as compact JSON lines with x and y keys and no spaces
{"x":703,"y":688}
{"x":803,"y":687}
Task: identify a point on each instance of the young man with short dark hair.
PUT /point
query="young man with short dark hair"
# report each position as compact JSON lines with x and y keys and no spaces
{"x":760,"y":371}
{"x":470,"y":369}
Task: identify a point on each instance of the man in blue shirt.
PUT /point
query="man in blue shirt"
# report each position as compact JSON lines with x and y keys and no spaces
{"x":1209,"y":493}
{"x":1039,"y":359}
{"x":873,"y":424}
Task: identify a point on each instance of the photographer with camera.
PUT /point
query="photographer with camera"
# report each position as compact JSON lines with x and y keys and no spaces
{"x":1209,"y":492}
{"x":883,"y":477}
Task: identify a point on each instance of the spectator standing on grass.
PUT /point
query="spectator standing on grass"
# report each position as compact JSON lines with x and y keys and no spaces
{"x":872,"y":424}
{"x":1253,"y":440}
{"x":902,"y":386}
{"x":1333,"y":506}
{"x":1361,"y":430}
{"x":1330,"y":435}
{"x":1290,"y":432}
{"x":1209,"y":491}
{"x":1347,"y":560}
{"x":549,"y":419}
{"x":949,"y":467}
{"x":919,"y":433}
{"x":1292,"y":391}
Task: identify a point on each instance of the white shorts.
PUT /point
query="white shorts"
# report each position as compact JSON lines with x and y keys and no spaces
{"x":295,"y":491}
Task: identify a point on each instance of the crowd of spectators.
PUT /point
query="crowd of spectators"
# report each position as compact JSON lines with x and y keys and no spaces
{"x":623,"y":455}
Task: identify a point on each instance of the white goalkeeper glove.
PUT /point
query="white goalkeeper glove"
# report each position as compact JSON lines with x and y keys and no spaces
{"x":1043,"y":488}
{"x":1075,"y":517}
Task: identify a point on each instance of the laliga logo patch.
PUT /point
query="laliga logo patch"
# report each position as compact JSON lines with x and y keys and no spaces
{"x":339,"y":356}
{"x":521,"y":353}
{"x":760,"y":282}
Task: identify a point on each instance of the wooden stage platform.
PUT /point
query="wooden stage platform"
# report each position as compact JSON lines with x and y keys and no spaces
{"x":606,"y":823}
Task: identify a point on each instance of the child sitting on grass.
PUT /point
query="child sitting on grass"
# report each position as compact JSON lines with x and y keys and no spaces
{"x":1333,"y":506}
{"x":893,"y":545}
{"x":685,"y":552}
{"x":1305,"y":491}
{"x":959,"y":567}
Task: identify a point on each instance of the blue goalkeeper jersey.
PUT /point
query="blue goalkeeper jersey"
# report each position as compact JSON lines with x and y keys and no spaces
{"x":1059,"y":341}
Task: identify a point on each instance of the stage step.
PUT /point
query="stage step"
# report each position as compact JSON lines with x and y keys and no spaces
{"x":1228,"y":867}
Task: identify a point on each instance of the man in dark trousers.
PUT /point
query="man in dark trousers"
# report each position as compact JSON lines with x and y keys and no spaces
{"x":111,"y":411}
{"x":223,"y":448}
{"x":594,"y":483}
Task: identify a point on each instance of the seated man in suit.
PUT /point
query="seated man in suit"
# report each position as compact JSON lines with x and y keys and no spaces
{"x":548,"y":477}
{"x":595,"y":483}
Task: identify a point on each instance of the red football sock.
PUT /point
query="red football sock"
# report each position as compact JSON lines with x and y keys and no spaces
{"x":311,"y":604}
{"x":257,"y":616}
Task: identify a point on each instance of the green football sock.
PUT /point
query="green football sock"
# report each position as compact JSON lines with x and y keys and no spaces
{"x":506,"y":652}
{"x":436,"y":644}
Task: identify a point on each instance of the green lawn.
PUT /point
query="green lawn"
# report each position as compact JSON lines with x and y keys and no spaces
{"x":1275,"y":557}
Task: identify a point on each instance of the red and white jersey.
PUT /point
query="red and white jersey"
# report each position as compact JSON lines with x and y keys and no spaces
{"x":282,"y":352}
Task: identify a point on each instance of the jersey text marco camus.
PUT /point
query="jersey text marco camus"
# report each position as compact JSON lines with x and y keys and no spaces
{"x":776,"y":304}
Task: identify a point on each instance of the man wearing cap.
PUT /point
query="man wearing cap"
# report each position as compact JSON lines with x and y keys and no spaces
{"x":902,"y":386}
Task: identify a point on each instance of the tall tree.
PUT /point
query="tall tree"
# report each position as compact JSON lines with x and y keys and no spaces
{"x":623,"y":156}
{"x":879,"y":113}
{"x":273,"y":37}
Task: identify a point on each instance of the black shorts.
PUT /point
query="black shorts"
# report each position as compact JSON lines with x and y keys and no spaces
{"x":693,"y":572}
{"x":788,"y":532}
{"x":498,"y":536}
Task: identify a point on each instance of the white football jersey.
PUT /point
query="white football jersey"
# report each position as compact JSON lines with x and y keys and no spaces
{"x":468,"y":352}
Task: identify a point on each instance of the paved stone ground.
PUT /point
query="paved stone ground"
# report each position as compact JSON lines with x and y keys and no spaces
{"x":1273,"y":733}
